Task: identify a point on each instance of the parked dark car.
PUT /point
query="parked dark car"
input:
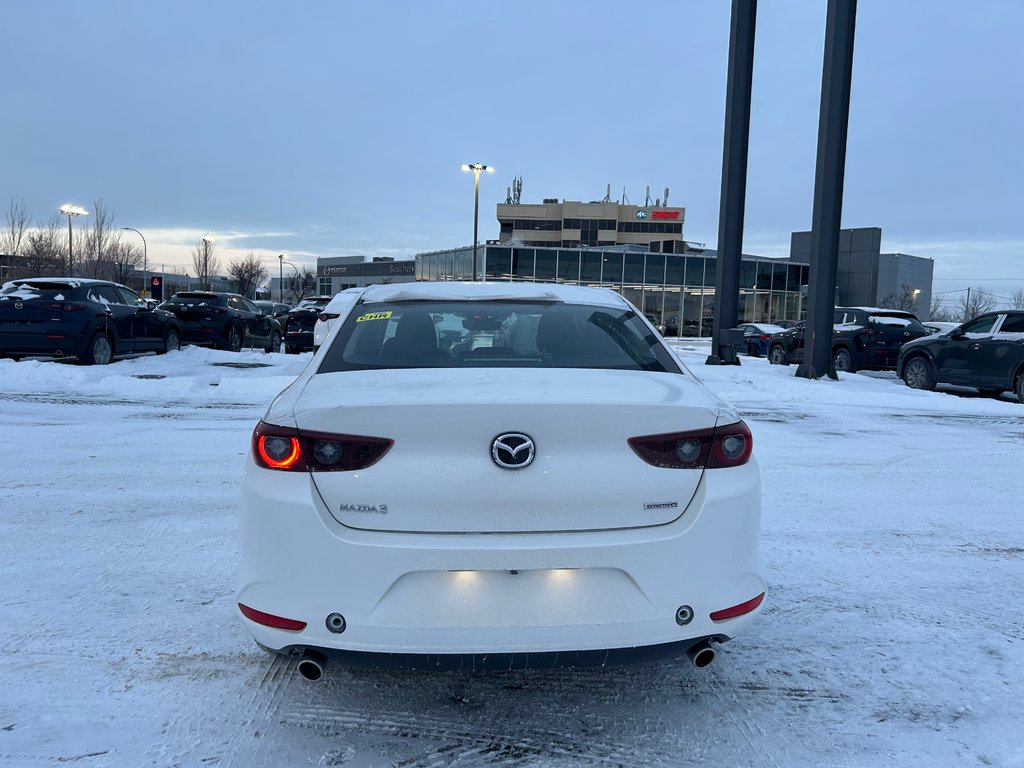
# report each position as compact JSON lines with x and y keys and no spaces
{"x":91,"y":320}
{"x":787,"y":324}
{"x":276,"y":310}
{"x":224,"y":320}
{"x":862,"y":338}
{"x":298,"y":335}
{"x":986,"y":353}
{"x":756,"y":337}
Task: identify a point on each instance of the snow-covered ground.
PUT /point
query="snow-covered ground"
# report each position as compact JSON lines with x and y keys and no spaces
{"x":893,"y":636}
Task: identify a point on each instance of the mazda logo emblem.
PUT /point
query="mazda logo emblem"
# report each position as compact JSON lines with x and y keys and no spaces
{"x":513,"y":450}
{"x":18,"y":305}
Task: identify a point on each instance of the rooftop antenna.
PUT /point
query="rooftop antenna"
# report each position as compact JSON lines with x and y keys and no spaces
{"x":666,"y":197}
{"x":508,"y":195}
{"x":647,"y":203}
{"x":625,"y":200}
{"x":517,"y":190}
{"x":608,"y":195}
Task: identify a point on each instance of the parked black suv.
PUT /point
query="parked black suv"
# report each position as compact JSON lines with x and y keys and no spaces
{"x":301,"y":321}
{"x":224,"y":320}
{"x":986,"y":353}
{"x":91,"y":320}
{"x":862,"y":337}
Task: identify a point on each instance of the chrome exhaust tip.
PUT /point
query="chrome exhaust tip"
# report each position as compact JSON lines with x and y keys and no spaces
{"x":311,"y":665}
{"x":701,"y":655}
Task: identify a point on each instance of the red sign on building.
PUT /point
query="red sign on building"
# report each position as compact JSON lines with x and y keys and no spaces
{"x":664,"y":214}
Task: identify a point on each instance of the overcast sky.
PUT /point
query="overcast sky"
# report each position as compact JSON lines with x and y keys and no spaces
{"x":335,"y":128}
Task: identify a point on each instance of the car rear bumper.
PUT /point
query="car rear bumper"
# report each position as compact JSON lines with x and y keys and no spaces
{"x":443,"y":594}
{"x":505,"y":662}
{"x":299,"y":339}
{"x":43,"y":344}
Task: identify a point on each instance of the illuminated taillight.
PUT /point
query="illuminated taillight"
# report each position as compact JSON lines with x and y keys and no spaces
{"x":279,"y":452}
{"x":325,"y":316}
{"x":293,"y":450}
{"x":737,"y":610}
{"x":712,"y":448}
{"x":270,"y":620}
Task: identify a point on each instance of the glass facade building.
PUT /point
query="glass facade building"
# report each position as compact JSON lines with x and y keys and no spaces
{"x":673,"y":289}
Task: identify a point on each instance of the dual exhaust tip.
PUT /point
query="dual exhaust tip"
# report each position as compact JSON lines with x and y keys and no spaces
{"x":312,"y":663}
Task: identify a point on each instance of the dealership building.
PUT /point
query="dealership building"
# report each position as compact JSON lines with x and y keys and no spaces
{"x":640,"y":253}
{"x":336,"y":273}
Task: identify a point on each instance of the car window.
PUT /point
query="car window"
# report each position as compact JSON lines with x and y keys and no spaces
{"x":980,"y":328}
{"x":441,"y":334}
{"x":248,"y":305}
{"x":131,"y":298}
{"x":1012,"y":327}
{"x":235,"y":302}
{"x":103,"y":294}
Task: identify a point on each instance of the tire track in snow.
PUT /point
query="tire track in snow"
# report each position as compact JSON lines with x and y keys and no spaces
{"x":244,"y":748}
{"x":459,"y":744}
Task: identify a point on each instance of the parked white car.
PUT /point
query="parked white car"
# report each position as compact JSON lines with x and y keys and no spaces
{"x":479,"y":475}
{"x":342,"y":303}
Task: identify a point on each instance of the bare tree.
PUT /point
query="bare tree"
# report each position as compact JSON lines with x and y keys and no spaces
{"x":1017,"y":299}
{"x":300,"y":284}
{"x":940,"y":313}
{"x":905,"y":299}
{"x":248,"y":273}
{"x":13,"y":236}
{"x":46,"y":249}
{"x":974,"y":302}
{"x":205,"y":263}
{"x":123,"y":260}
{"x":93,"y":255}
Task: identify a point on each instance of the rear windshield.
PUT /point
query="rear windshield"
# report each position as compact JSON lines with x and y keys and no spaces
{"x":462,"y":334}
{"x":197,"y":299}
{"x":905,"y":321}
{"x":29,"y":290}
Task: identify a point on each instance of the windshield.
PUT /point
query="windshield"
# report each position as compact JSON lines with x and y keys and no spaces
{"x":498,"y":334}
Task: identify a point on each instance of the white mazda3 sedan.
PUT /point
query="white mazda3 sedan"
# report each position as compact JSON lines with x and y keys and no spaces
{"x":487,"y":475}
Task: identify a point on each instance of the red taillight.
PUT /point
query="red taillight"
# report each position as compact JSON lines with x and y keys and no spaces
{"x":290,"y":449}
{"x":712,"y":448}
{"x":325,"y":316}
{"x":764,"y":337}
{"x":65,"y":306}
{"x":270,"y":620}
{"x":870,"y":332}
{"x":737,"y":610}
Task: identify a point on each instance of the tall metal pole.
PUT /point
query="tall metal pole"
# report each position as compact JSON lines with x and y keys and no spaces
{"x":476,"y":214}
{"x":280,"y":277}
{"x":71,"y":254}
{"x":833,"y":121}
{"x":734,"y":179}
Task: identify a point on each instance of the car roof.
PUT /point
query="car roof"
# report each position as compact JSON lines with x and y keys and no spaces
{"x":882,"y":310}
{"x":74,"y":282}
{"x":467,"y":291}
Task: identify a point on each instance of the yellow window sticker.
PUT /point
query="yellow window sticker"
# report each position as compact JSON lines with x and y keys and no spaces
{"x":373,"y":316}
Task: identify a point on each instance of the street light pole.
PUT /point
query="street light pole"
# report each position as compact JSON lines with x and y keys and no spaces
{"x":69,"y":211}
{"x":476,"y":168}
{"x":280,"y":277}
{"x":145,"y":257}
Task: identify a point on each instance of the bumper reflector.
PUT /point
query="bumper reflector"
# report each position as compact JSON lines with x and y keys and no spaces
{"x":737,"y":610}
{"x":270,"y":620}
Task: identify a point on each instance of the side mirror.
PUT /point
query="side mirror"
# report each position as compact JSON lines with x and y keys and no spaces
{"x":956,"y":333}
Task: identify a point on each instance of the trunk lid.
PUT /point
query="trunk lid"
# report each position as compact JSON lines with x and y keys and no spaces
{"x":439,"y":476}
